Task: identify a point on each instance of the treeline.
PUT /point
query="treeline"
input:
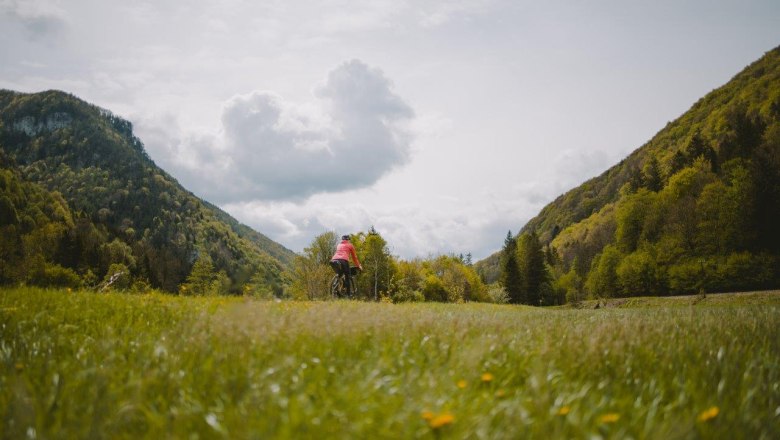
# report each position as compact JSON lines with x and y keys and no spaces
{"x":705,"y":224}
{"x":694,"y":210}
{"x":83,"y":206}
{"x":446,"y":278}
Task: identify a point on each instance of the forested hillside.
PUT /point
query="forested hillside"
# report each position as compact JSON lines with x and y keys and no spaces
{"x":81,"y":203}
{"x":696,"y":208}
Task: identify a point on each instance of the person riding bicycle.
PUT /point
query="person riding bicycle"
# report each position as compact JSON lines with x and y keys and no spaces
{"x":340,"y":260}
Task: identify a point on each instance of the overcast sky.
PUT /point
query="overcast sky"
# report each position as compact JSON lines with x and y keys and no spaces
{"x":441,"y":123}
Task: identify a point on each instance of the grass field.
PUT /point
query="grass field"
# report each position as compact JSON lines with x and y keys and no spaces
{"x":86,"y":365}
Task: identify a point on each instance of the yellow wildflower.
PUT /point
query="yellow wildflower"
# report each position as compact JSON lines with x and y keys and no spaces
{"x":441,"y":420}
{"x":709,"y":414}
{"x":564,"y":410}
{"x":487,"y":377}
{"x":427,"y":415}
{"x":462,"y":384}
{"x":609,"y":418}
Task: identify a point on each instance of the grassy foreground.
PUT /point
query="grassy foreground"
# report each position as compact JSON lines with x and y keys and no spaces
{"x":76,"y":365}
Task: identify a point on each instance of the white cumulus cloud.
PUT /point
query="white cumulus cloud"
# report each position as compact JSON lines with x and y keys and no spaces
{"x":355,"y":132}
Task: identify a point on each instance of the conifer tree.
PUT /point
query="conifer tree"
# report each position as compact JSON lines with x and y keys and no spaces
{"x":651,"y":175}
{"x":510,"y":271}
{"x":532,"y":267}
{"x":201,"y":278}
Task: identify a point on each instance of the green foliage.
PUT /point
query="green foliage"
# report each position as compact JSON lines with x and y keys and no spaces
{"x":496,"y":294}
{"x":378,"y":265}
{"x":632,"y":217}
{"x":532,"y":268}
{"x":651,"y":175}
{"x":56,"y":276}
{"x":705,"y":187}
{"x":446,"y":278}
{"x":602,"y":279}
{"x":638,"y":274}
{"x":311,"y":271}
{"x":524,"y":272}
{"x":433,"y":289}
{"x":511,"y":278}
{"x":117,"y":277}
{"x":87,"y":196}
{"x":571,"y":285}
{"x":203,"y":279}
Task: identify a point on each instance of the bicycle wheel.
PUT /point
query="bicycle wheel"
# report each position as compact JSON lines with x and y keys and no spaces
{"x":352,"y":294}
{"x":336,"y":285}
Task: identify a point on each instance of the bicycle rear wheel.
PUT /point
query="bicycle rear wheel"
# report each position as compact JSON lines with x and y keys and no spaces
{"x":352,"y":293}
{"x":336,"y":285}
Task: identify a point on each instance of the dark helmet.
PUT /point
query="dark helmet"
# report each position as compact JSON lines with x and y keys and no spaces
{"x":345,"y":237}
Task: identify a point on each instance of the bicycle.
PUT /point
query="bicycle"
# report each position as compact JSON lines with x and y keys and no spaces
{"x":338,"y":288}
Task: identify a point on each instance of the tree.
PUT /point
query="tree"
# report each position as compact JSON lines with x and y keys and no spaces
{"x":201,"y":279}
{"x":677,"y":163}
{"x":533,"y":271}
{"x":651,"y":175}
{"x":117,"y":277}
{"x":8,"y":214}
{"x":510,"y":277}
{"x":765,"y":168}
{"x":602,"y":281}
{"x":116,"y":252}
{"x":312,"y":272}
{"x":378,"y":264}
{"x":571,"y":285}
{"x":639,"y":274}
{"x":630,"y":216}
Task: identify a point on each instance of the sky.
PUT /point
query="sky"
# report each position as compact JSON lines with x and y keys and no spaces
{"x":442,"y":124}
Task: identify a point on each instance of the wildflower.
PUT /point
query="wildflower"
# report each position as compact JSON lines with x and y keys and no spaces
{"x":609,"y":418}
{"x":19,"y":366}
{"x":462,"y":384}
{"x":500,"y":393}
{"x":709,"y":414}
{"x":564,"y":410}
{"x":487,"y":377}
{"x":441,"y":420}
{"x":427,"y":415}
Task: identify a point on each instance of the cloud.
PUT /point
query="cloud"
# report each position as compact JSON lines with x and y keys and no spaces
{"x":573,"y":167}
{"x":271,"y":149}
{"x":444,"y":226}
{"x":40,"y":19}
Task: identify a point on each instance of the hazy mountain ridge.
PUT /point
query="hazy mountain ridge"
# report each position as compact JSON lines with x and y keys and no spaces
{"x":733,"y":128}
{"x":91,"y":157}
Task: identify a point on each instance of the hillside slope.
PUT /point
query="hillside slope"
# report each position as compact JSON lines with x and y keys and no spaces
{"x":125,"y":210}
{"x":703,"y":189}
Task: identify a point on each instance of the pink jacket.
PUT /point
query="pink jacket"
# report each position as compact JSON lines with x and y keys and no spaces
{"x":344,"y":250}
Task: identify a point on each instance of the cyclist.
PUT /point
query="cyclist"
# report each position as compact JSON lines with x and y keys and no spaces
{"x":340,"y":260}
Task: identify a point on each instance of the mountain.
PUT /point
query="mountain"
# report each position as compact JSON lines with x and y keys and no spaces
{"x":695,"y":208}
{"x":79,"y":195}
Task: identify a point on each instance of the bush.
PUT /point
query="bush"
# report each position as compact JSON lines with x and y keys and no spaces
{"x":745,"y":271}
{"x":55,"y":275}
{"x":686,"y":277}
{"x":639,"y":274}
{"x":497,"y":294}
{"x":433,"y":289}
{"x":404,"y":294}
{"x":117,"y":278}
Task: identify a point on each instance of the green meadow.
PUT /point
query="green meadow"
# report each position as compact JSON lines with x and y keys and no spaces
{"x":87,"y":365}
